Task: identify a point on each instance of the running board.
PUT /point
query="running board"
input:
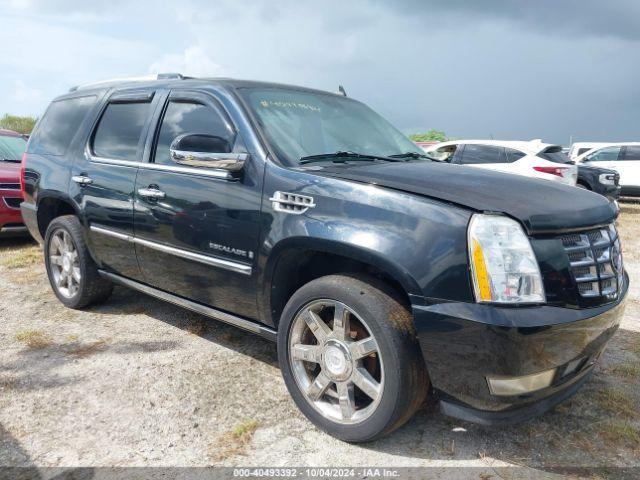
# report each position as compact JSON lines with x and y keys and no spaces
{"x":248,"y":325}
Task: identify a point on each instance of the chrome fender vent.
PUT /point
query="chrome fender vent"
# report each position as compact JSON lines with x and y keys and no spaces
{"x":291,"y":203}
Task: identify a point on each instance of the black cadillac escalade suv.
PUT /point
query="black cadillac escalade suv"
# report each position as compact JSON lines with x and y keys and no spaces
{"x":305,"y":217}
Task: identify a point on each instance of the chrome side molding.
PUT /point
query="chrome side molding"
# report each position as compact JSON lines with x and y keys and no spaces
{"x":178,"y":252}
{"x":248,"y":325}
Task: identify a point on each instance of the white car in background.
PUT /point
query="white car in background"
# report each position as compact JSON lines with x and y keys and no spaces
{"x":531,"y":159}
{"x":578,"y":148}
{"x":624,"y":158}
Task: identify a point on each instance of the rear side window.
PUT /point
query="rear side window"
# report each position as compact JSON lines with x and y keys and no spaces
{"x":475,"y":154}
{"x":120,"y":129}
{"x":513,"y":155}
{"x":59,"y":125}
{"x":554,"y":154}
{"x":632,"y":153}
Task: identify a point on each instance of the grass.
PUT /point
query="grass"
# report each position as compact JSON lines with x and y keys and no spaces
{"x":621,"y":433}
{"x":23,"y":257}
{"x":234,"y":442}
{"x":627,"y":370}
{"x":87,"y":349}
{"x":34,"y":339}
{"x":617,"y":402}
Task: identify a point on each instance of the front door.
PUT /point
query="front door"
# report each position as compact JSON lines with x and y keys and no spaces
{"x":629,"y":167}
{"x":197,"y":230}
{"x":103,"y":180}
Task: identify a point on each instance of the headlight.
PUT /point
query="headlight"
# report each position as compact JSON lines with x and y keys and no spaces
{"x":503,"y":265}
{"x":607,"y":178}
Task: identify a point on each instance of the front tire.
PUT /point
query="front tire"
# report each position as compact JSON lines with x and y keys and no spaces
{"x":72,"y":273}
{"x":350,"y":358}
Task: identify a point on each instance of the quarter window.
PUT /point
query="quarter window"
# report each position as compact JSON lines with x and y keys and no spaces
{"x":193,"y":118}
{"x":514,"y":155}
{"x":119,"y":131}
{"x":476,"y":154}
{"x":60,"y":124}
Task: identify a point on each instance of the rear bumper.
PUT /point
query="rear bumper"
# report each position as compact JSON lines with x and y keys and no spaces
{"x":11,"y":223}
{"x":463,"y":344}
{"x":30,"y":219}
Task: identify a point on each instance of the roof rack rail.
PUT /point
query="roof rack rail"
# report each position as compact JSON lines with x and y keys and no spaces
{"x":144,"y":78}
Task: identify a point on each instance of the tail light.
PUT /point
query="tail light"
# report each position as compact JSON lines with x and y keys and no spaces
{"x":558,"y":171}
{"x":23,"y":171}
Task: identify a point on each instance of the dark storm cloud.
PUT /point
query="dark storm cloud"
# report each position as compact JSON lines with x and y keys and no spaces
{"x":614,"y":18}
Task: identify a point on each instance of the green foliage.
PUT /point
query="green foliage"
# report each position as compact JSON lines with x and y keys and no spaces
{"x":17,"y":123}
{"x":430,"y":136}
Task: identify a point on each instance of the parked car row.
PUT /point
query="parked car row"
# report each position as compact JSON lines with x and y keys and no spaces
{"x":607,"y":169}
{"x":12,"y":146}
{"x":303,"y":216}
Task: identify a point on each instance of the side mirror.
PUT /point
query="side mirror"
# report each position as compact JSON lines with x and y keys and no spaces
{"x":205,"y":151}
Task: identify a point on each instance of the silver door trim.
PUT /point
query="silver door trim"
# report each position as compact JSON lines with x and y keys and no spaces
{"x":250,"y":326}
{"x":178,"y":252}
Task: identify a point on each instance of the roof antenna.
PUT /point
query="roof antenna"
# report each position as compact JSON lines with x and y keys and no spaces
{"x":341,"y":91}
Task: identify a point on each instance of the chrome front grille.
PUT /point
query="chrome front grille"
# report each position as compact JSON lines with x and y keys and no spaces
{"x":595,"y":258}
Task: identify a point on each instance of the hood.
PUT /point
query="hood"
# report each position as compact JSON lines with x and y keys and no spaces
{"x":9,"y":172}
{"x":542,"y":206}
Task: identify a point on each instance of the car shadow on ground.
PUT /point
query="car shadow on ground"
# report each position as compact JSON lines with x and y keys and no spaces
{"x":597,"y":427}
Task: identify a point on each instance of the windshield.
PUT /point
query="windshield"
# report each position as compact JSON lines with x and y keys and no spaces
{"x":300,"y":124}
{"x":555,"y":154}
{"x":12,"y":148}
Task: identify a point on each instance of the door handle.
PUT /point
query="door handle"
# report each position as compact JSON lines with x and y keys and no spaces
{"x":151,"y":193}
{"x":82,"y":180}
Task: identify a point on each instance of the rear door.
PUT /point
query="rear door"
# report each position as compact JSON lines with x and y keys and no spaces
{"x":103,"y":180}
{"x":197,"y":230}
{"x":629,"y":166}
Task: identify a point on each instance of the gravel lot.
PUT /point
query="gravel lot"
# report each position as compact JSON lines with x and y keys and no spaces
{"x":138,"y":382}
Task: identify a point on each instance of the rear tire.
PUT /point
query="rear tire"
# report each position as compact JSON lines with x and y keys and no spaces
{"x":72,"y":273}
{"x":350,"y":358}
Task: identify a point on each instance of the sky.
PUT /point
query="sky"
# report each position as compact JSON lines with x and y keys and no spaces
{"x":504,"y":69}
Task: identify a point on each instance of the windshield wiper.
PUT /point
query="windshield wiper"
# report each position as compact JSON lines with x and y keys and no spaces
{"x":348,"y":156}
{"x":411,"y":155}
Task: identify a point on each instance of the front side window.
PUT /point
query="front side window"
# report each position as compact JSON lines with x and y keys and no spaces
{"x":608,"y":154}
{"x":193,"y":118}
{"x":59,"y":125}
{"x":477,"y":154}
{"x":299,"y":123}
{"x":119,"y":131}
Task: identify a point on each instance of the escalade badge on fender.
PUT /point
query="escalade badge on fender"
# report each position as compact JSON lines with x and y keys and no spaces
{"x":291,"y":203}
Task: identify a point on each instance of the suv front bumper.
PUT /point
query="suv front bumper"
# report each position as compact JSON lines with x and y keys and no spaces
{"x":464,"y":344}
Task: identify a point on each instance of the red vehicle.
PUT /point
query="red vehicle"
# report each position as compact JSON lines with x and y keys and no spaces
{"x":12,"y":146}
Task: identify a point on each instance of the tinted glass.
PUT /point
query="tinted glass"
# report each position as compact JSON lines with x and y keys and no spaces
{"x":299,"y":123}
{"x":59,"y":125}
{"x":608,"y":154}
{"x":443,"y":154}
{"x":119,"y":130}
{"x":513,"y":155}
{"x":554,"y":154}
{"x":584,"y":149}
{"x":475,"y":154}
{"x":632,"y":153}
{"x":12,"y":148}
{"x":181,"y":118}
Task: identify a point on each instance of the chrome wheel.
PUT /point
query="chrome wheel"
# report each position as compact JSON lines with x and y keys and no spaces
{"x":64,"y":263}
{"x":336,"y":361}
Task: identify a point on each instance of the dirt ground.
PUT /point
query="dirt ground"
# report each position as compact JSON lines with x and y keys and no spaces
{"x":137,"y":382}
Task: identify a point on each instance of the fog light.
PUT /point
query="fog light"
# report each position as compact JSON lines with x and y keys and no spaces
{"x":518,"y":385}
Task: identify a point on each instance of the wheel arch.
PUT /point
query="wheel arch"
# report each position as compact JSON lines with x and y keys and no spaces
{"x":51,"y":207}
{"x":296,"y":261}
